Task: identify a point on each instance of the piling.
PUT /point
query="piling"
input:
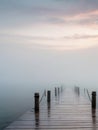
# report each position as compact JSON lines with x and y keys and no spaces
{"x":55,"y":91}
{"x":48,"y":96}
{"x":36,"y":96}
{"x":45,"y":93}
{"x":58,"y":91}
{"x":93,"y":100}
{"x":61,"y":89}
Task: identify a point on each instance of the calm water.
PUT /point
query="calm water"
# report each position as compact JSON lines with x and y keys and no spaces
{"x":15,"y":100}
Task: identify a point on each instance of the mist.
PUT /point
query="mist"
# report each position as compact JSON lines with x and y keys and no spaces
{"x":22,"y":65}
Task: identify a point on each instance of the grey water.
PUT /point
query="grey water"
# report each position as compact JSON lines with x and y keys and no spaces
{"x":15,"y":100}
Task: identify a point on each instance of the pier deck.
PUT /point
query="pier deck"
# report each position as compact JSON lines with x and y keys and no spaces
{"x":68,"y":111}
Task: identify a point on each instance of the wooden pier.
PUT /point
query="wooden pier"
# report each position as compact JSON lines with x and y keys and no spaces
{"x":69,"y":110}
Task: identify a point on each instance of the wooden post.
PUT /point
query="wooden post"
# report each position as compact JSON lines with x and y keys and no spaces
{"x":55,"y":91}
{"x":36,"y":102}
{"x":48,"y":96}
{"x":58,"y":91}
{"x":78,"y":91}
{"x":84,"y":90}
{"x":45,"y":93}
{"x":93,"y":100}
{"x":61,"y":89}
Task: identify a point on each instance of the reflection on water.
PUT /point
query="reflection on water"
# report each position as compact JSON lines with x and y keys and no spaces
{"x":77,"y":90}
{"x":94,"y":118}
{"x":49,"y":108}
{"x":37,"y":121}
{"x":93,"y":113}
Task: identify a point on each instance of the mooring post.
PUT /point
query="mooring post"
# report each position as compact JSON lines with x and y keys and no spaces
{"x":45,"y":93}
{"x":58,"y":91}
{"x":61,"y":89}
{"x":55,"y":91}
{"x":48,"y":96}
{"x":78,"y":91}
{"x":36,"y":102}
{"x":84,"y":90}
{"x":93,"y":100}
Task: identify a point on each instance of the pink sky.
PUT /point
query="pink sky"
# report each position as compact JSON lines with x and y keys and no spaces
{"x":61,"y":26}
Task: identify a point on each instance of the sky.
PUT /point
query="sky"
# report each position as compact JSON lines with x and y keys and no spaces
{"x":49,"y":42}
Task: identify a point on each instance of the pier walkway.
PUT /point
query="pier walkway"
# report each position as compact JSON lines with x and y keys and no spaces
{"x":68,"y":111}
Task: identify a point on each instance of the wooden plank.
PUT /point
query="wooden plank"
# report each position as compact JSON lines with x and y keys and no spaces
{"x":66,"y":112}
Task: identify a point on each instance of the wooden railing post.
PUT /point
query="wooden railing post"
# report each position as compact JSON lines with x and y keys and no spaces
{"x":45,"y":93}
{"x":61,"y":89}
{"x":55,"y":91}
{"x":93,"y":100}
{"x":58,"y":91}
{"x":48,"y":96}
{"x":36,"y":102}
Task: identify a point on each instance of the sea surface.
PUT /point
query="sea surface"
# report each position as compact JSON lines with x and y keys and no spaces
{"x":16,"y":100}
